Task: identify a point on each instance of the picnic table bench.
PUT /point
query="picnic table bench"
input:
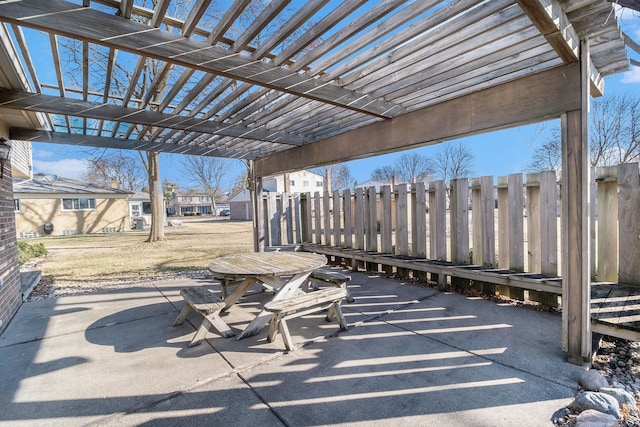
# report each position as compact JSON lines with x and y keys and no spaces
{"x":302,"y":304}
{"x":335,"y":278}
{"x":208,"y":305}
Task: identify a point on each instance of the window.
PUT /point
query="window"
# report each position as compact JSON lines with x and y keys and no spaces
{"x":146,"y":208}
{"x":78,"y":204}
{"x":292,"y":183}
{"x":16,"y":205}
{"x":305,"y":184}
{"x":318,"y":183}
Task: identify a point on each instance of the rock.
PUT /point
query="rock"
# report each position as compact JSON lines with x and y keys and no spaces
{"x":623,"y":397}
{"x":599,"y":401}
{"x":592,"y":380}
{"x":592,"y":418}
{"x":559,"y":416}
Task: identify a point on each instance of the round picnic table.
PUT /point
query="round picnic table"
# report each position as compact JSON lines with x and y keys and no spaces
{"x":284,"y":272}
{"x":253,"y":264}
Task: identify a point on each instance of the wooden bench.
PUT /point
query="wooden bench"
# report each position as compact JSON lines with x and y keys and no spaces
{"x":300,"y":305}
{"x":334,"y":278}
{"x":208,"y":305}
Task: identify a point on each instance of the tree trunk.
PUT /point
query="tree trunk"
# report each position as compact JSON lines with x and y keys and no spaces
{"x":156,"y":233}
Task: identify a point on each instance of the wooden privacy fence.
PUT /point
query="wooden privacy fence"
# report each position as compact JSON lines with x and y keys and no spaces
{"x":495,"y":235}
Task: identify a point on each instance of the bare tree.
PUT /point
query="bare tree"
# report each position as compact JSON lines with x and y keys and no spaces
{"x":340,"y":175}
{"x":413,"y":167}
{"x":549,"y":155}
{"x":124,"y":169}
{"x":208,"y":173}
{"x":614,"y":135}
{"x":615,"y":130}
{"x":453,"y":160}
{"x":383,"y":173}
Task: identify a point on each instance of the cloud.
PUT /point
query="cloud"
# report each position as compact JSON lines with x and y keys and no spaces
{"x":43,"y":154}
{"x":67,"y":168}
{"x":632,"y":76}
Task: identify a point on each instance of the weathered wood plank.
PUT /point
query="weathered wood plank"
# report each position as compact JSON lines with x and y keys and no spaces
{"x":347,"y":203}
{"x":607,"y":236}
{"x":20,"y":100}
{"x":503,"y":105}
{"x":438,"y":227}
{"x":317,"y":210}
{"x":326,"y":215}
{"x":337,"y":216}
{"x":371,"y":209}
{"x":386,"y":224}
{"x":97,"y":27}
{"x":629,"y":226}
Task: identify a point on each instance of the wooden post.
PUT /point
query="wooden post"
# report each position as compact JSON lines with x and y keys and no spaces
{"x":386,"y":230}
{"x":274,"y":214}
{"x":402,"y":232}
{"x":459,"y":197}
{"x":258,"y":212}
{"x":348,"y":221}
{"x":483,"y":214}
{"x":516,"y":229}
{"x":438,"y":227}
{"x":419,"y":227}
{"x":607,"y":240}
{"x":575,"y":224}
{"x":372,"y":225}
{"x":287,"y":213}
{"x":297,"y":218}
{"x":542,"y":222}
{"x":360,"y":224}
{"x":628,"y":208}
{"x":317,"y":203}
{"x":337,"y":226}
{"x":326,"y":214}
{"x":307,"y":215}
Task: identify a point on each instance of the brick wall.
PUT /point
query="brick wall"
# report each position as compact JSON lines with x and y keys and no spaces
{"x":10,"y":293}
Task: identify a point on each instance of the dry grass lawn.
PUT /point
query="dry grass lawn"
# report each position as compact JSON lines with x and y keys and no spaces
{"x":126,"y":256}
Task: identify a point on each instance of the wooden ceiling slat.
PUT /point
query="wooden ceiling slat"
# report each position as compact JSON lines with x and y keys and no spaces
{"x":515,"y":44}
{"x":72,"y":107}
{"x":126,"y":7}
{"x":55,"y":54}
{"x":553,"y":24}
{"x":159,"y":12}
{"x":403,"y":36}
{"x":194,"y":17}
{"x":227,"y":20}
{"x":386,"y":62}
{"x":309,"y":8}
{"x":391,"y":24}
{"x":328,"y":22}
{"x":26,"y":55}
{"x":272,"y":9}
{"x":100,"y":28}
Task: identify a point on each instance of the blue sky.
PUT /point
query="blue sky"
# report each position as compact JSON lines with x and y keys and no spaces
{"x":497,"y":153}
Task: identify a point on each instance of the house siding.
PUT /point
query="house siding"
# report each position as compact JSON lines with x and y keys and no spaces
{"x":111,"y":214}
{"x":10,"y":292}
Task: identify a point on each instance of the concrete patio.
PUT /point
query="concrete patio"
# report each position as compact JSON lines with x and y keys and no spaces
{"x":412,"y":355}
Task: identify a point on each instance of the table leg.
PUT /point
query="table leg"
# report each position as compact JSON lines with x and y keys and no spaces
{"x":287,"y":290}
{"x":237,"y":293}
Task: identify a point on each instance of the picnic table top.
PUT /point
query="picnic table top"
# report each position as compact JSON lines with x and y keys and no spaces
{"x":252,"y":264}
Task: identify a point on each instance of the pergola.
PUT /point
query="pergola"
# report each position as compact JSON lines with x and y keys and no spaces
{"x":290,"y":85}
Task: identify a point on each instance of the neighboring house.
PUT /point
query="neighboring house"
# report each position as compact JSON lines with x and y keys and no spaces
{"x":194,"y":202}
{"x":51,"y":205}
{"x":240,"y":206}
{"x":373,"y":183}
{"x":295,"y":182}
{"x":140,"y":209}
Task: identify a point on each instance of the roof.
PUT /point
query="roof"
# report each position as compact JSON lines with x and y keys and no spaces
{"x":251,"y":82}
{"x":42,"y":184}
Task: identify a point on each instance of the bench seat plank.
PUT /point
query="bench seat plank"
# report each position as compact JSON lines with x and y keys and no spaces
{"x":208,"y":305}
{"x":301,"y":305}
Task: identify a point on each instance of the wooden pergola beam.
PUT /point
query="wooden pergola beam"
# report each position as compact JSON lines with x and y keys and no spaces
{"x":27,"y":101}
{"x":539,"y":96}
{"x":21,"y":134}
{"x":86,"y":24}
{"x":555,"y":26}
